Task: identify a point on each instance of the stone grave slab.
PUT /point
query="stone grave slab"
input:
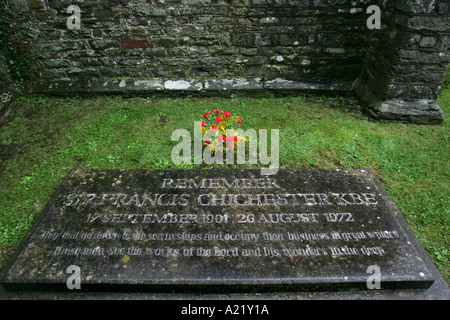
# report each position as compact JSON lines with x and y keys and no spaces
{"x":218,"y":231}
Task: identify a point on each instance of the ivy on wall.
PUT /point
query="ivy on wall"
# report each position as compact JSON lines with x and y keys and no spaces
{"x":15,"y":56}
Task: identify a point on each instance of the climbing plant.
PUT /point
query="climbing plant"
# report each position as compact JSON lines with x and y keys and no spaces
{"x":15,"y":56}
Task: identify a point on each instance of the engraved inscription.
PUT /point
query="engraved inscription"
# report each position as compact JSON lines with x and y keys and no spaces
{"x":232,"y":244}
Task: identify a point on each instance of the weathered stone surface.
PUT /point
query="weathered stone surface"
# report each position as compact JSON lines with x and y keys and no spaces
{"x":302,"y":42}
{"x":134,"y":44}
{"x":103,"y":13}
{"x":245,"y":86}
{"x":218,"y":231}
{"x":416,"y":111}
{"x":216,"y":34}
{"x":390,"y":84}
{"x":36,"y":4}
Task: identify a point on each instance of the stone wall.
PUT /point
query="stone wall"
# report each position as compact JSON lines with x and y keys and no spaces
{"x":225,"y":46}
{"x":407,"y":61}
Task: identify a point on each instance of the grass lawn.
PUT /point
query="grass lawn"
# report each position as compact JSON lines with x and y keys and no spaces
{"x":47,"y":136}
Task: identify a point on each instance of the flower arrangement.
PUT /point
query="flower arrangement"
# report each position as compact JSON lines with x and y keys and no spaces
{"x":221,"y":137}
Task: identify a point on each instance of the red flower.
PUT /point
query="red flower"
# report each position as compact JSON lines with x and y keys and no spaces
{"x":205,"y":115}
{"x":214,"y":128}
{"x":209,"y":112}
{"x":221,"y":138}
{"x":227,"y":114}
{"x":235,"y":138}
{"x":218,"y":119}
{"x":207,"y":141}
{"x":239,"y":121}
{"x":203,"y":123}
{"x":218,"y":111}
{"x":230,"y":138}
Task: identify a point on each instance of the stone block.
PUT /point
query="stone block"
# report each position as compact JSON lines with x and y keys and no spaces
{"x":219,"y":231}
{"x":134,"y":43}
{"x":36,"y":4}
{"x":103,"y":13}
